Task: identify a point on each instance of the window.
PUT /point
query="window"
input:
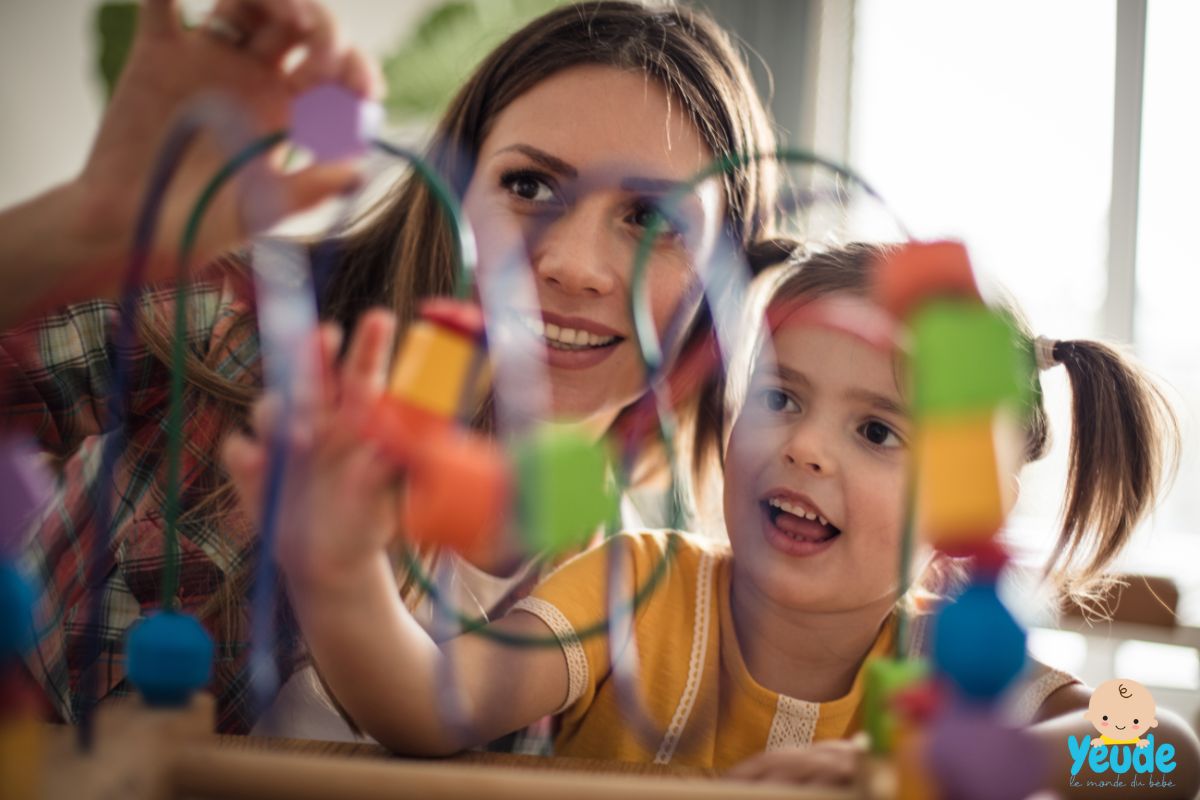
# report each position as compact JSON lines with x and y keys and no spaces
{"x":994,"y":124}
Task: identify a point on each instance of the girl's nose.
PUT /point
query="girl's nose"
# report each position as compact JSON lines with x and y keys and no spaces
{"x":807,"y":448}
{"x":576,"y":254}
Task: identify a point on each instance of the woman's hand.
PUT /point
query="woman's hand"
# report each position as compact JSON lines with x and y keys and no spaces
{"x":339,"y":509}
{"x":240,"y":53}
{"x":830,"y":763}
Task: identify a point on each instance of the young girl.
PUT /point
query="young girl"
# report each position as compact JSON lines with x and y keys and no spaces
{"x":558,"y":145}
{"x":755,"y":646}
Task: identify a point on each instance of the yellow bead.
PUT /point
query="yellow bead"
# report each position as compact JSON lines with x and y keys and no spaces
{"x":22,"y":755}
{"x":961,"y":496}
{"x":433,"y":368}
{"x":913,"y":781}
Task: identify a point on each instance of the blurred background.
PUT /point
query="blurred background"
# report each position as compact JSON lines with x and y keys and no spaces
{"x":1057,"y":139}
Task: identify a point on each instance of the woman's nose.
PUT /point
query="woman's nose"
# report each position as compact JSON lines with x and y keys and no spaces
{"x":576,"y":253}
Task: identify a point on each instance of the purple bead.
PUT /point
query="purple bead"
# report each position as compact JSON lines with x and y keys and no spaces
{"x":974,"y":756}
{"x":25,"y":486}
{"x":333,"y":122}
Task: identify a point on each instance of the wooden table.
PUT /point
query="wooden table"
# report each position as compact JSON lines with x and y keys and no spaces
{"x":156,"y":755}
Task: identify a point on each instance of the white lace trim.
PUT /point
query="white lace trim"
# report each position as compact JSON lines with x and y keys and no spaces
{"x":700,"y":630}
{"x":1030,"y":698}
{"x":577,"y":663}
{"x":794,"y":725}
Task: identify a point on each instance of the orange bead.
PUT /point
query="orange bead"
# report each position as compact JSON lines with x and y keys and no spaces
{"x":401,"y":429}
{"x":458,"y":493}
{"x":923,"y":270}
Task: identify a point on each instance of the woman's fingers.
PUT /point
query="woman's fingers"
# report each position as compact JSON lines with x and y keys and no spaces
{"x":360,"y":74}
{"x":306,"y":188}
{"x":325,"y":49}
{"x":159,"y":18}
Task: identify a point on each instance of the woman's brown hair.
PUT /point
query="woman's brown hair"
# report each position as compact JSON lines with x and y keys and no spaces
{"x":401,"y":251}
{"x":1124,"y":434}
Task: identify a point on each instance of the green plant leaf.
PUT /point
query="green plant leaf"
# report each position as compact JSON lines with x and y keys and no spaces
{"x":115,"y":25}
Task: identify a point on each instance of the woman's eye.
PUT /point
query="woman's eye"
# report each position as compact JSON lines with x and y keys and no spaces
{"x":778,"y":401}
{"x":880,"y":435}
{"x":643,"y":214}
{"x":528,"y":186}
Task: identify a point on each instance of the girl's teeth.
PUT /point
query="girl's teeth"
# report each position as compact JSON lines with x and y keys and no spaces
{"x":798,"y":511}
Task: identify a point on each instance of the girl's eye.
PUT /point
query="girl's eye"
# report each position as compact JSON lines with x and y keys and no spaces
{"x":528,"y":186}
{"x":880,"y":435}
{"x":778,"y":401}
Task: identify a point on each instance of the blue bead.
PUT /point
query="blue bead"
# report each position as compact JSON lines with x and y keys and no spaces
{"x":977,"y":643}
{"x":16,"y":612}
{"x":169,"y":657}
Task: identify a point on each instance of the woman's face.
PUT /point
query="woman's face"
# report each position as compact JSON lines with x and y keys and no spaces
{"x":566,"y":180}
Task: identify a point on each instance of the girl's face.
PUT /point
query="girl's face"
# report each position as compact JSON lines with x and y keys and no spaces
{"x":815,"y":472}
{"x":567,"y":178}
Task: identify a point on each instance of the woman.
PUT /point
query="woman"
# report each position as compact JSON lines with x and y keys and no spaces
{"x":558,"y":143}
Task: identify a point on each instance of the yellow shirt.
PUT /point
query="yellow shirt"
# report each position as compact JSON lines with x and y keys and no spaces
{"x":698,"y":704}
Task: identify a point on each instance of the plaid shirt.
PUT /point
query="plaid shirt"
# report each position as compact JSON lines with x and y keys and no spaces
{"x":55,"y":379}
{"x":56,"y":375}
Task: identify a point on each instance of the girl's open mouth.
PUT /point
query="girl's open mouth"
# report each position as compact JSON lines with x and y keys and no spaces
{"x":794,"y":531}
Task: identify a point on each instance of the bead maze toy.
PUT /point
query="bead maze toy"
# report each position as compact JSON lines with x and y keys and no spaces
{"x":556,"y":489}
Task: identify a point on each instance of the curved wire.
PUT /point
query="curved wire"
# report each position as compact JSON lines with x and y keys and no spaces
{"x":651,"y":350}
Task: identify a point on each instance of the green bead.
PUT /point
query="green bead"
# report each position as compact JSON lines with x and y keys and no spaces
{"x":564,"y":493}
{"x":967,"y":358}
{"x":886,"y":677}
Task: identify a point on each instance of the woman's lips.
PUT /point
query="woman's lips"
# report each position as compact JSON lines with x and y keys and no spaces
{"x":539,"y":325}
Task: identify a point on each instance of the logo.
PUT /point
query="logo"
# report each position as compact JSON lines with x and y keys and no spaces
{"x":1122,"y":712}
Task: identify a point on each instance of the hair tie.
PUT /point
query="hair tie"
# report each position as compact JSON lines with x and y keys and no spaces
{"x":1045,"y":352}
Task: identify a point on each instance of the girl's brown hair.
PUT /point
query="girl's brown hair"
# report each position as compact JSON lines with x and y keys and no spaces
{"x":1124,"y":434}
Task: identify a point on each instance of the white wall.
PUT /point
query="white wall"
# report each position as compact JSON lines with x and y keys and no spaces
{"x":51,"y":97}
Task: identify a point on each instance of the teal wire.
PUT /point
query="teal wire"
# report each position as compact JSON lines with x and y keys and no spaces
{"x":175,"y":426}
{"x":643,"y":319}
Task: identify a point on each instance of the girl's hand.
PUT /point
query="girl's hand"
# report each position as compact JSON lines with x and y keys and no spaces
{"x":338,"y":510}
{"x":169,"y":66}
{"x":830,"y":763}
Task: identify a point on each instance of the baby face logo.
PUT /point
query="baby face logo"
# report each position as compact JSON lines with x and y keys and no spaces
{"x":1121,"y":712}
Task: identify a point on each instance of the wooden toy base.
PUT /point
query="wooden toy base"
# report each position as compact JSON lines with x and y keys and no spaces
{"x":144,"y":754}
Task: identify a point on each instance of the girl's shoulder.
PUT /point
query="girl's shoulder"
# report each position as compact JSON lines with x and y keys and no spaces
{"x":652,"y":544}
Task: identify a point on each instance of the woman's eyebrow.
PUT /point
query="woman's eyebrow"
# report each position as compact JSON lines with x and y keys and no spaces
{"x":552,"y":163}
{"x":651,"y":185}
{"x":633,"y":183}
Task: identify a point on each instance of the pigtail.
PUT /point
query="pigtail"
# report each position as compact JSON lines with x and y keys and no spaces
{"x":1124,"y":444}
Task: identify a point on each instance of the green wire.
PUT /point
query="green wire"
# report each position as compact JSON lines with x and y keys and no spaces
{"x":643,"y":319}
{"x":465,"y":253}
{"x":170,"y":581}
{"x":465,"y":256}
